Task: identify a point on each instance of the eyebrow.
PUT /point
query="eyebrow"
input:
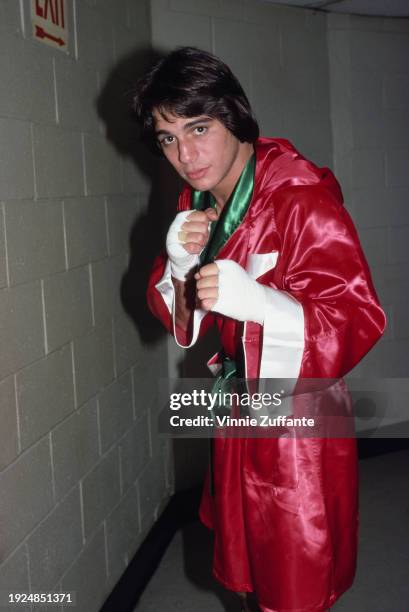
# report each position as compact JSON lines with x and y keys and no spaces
{"x":187,"y":126}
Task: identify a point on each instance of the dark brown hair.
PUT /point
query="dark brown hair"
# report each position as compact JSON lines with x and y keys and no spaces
{"x":190,"y":82}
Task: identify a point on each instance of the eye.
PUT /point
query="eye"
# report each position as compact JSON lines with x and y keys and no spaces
{"x":167,"y":140}
{"x":200,"y":129}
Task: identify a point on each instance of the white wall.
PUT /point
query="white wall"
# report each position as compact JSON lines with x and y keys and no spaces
{"x":82,"y":471}
{"x":369,"y":68}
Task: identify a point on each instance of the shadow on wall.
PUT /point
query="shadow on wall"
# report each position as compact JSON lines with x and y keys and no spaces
{"x":147,"y":237}
{"x":114,"y":107}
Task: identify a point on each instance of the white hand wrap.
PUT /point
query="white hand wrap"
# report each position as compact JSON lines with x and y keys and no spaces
{"x":240,"y":297}
{"x":181,"y":262}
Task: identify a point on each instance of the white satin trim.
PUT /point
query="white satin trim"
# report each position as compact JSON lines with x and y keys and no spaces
{"x":283,"y":329}
{"x":167,"y":291}
{"x":214,"y":364}
{"x":283,"y":336}
{"x":260,"y":263}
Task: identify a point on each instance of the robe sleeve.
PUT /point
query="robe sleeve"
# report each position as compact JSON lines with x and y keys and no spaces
{"x":161,"y":296}
{"x":322,"y":267}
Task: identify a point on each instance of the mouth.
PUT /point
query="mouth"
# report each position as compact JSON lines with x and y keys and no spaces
{"x":198,"y":174}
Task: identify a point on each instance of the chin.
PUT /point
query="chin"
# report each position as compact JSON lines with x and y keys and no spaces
{"x":207,"y":183}
{"x":201,"y":184}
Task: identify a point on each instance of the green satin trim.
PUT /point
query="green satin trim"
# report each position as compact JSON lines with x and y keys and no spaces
{"x":232,"y":214}
{"x":220,"y":231}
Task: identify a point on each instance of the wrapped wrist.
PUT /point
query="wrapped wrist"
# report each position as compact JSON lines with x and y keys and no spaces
{"x":182,"y":270}
{"x":240,"y":297}
{"x":182,"y":263}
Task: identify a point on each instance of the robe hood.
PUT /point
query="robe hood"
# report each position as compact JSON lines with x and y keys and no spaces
{"x":280,"y":165}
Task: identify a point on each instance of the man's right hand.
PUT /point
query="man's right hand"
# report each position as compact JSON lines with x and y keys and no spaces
{"x":187,"y":237}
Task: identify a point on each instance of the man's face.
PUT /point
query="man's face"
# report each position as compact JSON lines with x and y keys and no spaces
{"x":201,"y":149}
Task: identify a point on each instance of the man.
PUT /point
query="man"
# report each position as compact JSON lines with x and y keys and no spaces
{"x":263,"y":248}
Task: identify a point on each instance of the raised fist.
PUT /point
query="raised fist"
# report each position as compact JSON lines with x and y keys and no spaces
{"x":186,"y":238}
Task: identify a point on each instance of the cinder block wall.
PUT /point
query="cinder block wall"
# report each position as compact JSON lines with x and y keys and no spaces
{"x":82,"y":472}
{"x":369,"y":68}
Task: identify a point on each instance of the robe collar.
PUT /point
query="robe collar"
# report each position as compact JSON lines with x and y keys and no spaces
{"x":232,"y":214}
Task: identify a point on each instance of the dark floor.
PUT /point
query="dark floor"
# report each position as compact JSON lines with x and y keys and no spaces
{"x":183,"y":580}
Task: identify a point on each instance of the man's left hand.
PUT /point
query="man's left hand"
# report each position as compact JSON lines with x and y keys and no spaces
{"x":225,"y":287}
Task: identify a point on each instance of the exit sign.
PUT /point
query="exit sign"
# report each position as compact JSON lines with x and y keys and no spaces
{"x":49,"y":19}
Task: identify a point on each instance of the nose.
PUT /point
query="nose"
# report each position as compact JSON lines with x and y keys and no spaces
{"x":187,"y":152}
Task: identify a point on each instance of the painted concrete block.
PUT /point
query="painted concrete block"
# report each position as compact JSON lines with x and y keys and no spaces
{"x":102,"y":166}
{"x":369,"y":207}
{"x":58,"y":162}
{"x":368,"y":168}
{"x":398,"y":239}
{"x":10,"y":19}
{"x":40,"y":82}
{"x":397,"y":167}
{"x":16,"y":168}
{"x":228,"y":38}
{"x":14,"y":575}
{"x":396,"y":90}
{"x":26,"y":67}
{"x":85,"y":229}
{"x":45,"y":392}
{"x":21,"y":327}
{"x":128,"y":345}
{"x":152,"y":491}
{"x":67,"y":300}
{"x":134,"y":179}
{"x":55,"y":544}
{"x":374,"y":242}
{"x":75,"y":447}
{"x":87,"y":576}
{"x":122,"y":528}
{"x":95,"y":49}
{"x":123,"y":212}
{"x":115,"y":410}
{"x":171,"y":29}
{"x":398,"y":198}
{"x":74,"y":110}
{"x":35,"y":239}
{"x":100,"y":490}
{"x":27,"y":478}
{"x":134,"y":451}
{"x":9,"y":446}
{"x":93,"y":362}
{"x":3,"y":262}
{"x":13,"y":101}
{"x":107,"y":275}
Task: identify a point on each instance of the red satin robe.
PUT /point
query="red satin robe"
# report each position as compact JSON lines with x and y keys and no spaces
{"x":285,"y":510}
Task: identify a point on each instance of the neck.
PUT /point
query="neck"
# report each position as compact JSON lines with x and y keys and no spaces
{"x":222,"y":192}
